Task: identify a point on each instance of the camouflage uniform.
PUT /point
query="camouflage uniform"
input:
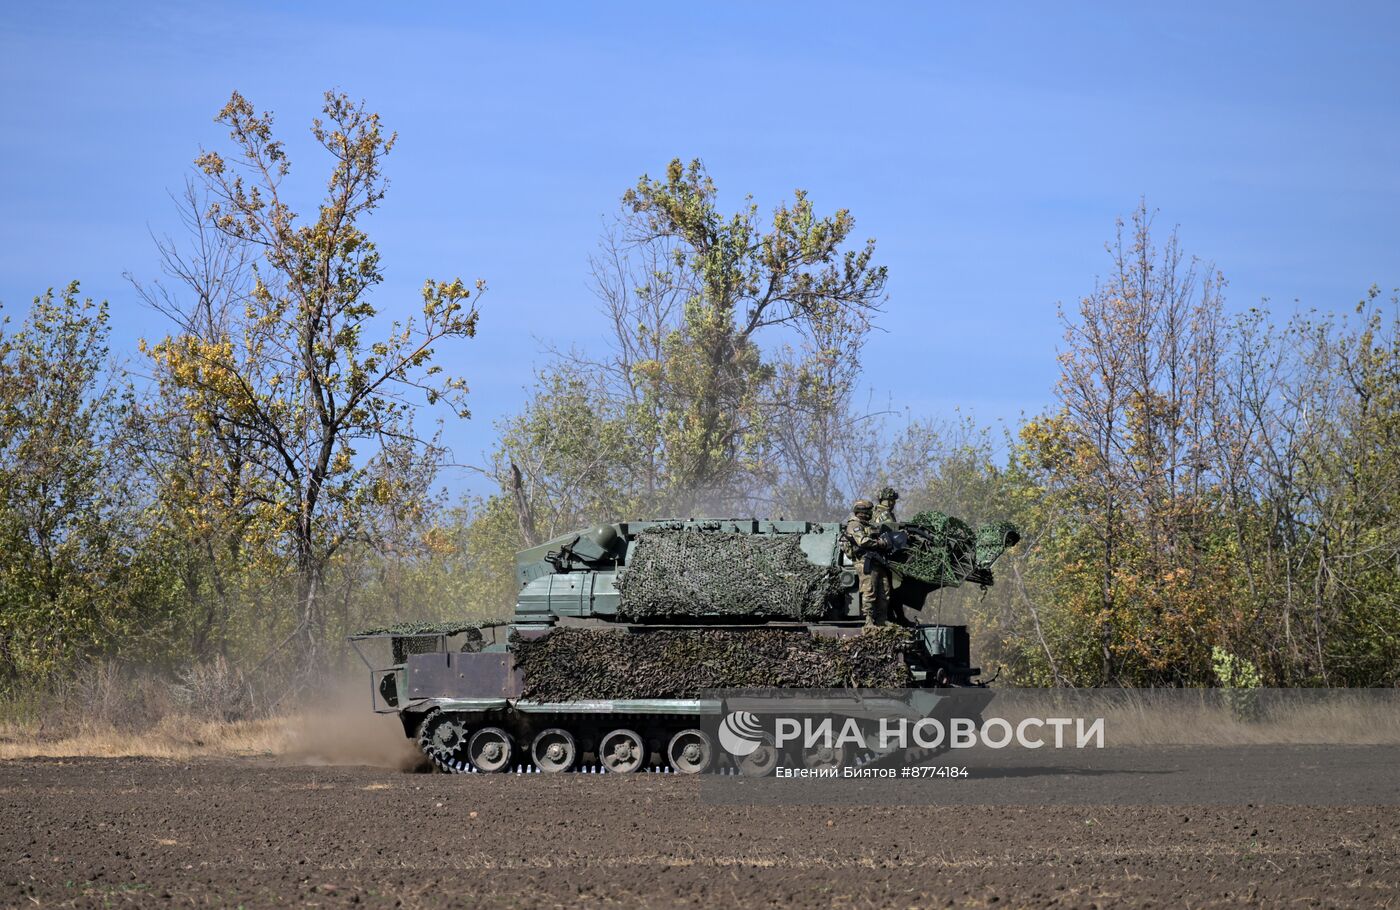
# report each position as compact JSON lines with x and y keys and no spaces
{"x":862,"y":536}
{"x":884,"y":512}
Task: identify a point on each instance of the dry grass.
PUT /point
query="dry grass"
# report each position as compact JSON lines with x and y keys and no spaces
{"x":321,"y":737}
{"x":1205,"y":718}
{"x":110,"y":710}
{"x":1328,"y":724}
{"x":173,"y":737}
{"x":207,"y":712}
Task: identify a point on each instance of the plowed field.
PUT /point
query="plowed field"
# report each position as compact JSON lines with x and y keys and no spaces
{"x":94,"y":832}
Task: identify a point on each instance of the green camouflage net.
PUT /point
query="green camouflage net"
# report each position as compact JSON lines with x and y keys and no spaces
{"x":422,"y":637}
{"x":994,"y":540}
{"x":942,"y":550}
{"x":676,"y":572}
{"x":572,"y":664}
{"x":431,"y":628}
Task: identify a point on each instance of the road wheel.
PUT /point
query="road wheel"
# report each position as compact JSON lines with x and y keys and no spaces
{"x":761,"y":761}
{"x":825,"y":757}
{"x":489,"y":749}
{"x":690,"y":751}
{"x":622,"y":751}
{"x":554,"y":750}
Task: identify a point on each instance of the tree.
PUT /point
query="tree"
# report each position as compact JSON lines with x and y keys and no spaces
{"x":1360,"y":554}
{"x":728,"y":382}
{"x":64,"y":521}
{"x":290,"y":371}
{"x":819,"y":440}
{"x":711,"y":386}
{"x":1127,"y":455}
{"x":203,"y":515}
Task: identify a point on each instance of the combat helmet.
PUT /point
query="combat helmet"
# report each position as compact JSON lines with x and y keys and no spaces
{"x":863,"y":506}
{"x":889,"y":494}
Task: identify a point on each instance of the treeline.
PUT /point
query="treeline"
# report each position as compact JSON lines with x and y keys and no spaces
{"x":253,"y":484}
{"x":1208,"y":487}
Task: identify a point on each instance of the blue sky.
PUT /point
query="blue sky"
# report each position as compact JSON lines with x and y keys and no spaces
{"x":988,"y":148}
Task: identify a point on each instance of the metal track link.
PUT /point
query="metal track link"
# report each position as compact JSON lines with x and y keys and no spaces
{"x":444,"y":762}
{"x":450,"y":764}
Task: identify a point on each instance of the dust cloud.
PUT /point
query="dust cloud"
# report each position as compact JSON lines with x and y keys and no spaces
{"x":339,"y":727}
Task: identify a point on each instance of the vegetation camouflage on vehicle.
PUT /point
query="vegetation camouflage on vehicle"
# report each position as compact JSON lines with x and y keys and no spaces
{"x":995,"y":539}
{"x":422,"y":637}
{"x":944,"y":551}
{"x":572,"y":664}
{"x":431,"y":628}
{"x":677,"y":572}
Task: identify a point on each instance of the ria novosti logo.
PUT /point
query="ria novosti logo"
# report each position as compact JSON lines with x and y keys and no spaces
{"x":740,"y":733}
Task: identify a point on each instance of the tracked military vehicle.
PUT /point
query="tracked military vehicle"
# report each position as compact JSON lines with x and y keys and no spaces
{"x":623,"y":633}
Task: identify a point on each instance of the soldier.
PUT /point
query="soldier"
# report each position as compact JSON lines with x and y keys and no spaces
{"x":884,"y":512}
{"x":862,"y":536}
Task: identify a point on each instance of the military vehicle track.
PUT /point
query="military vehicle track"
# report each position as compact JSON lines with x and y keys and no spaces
{"x":451,"y":761}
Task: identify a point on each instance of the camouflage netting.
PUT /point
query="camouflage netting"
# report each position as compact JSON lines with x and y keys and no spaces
{"x":994,"y":540}
{"x":571,"y":664}
{"x":422,"y":637}
{"x":944,"y":551}
{"x":431,"y":628}
{"x":688,"y":572}
{"x":948,"y":555}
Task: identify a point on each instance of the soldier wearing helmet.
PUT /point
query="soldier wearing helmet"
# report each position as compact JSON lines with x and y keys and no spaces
{"x":866,"y":550}
{"x":884,"y":512}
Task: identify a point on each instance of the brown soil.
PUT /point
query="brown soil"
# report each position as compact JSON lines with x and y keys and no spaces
{"x":143,"y":832}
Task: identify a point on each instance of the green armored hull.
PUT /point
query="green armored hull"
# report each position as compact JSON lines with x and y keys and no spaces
{"x":623,"y":635}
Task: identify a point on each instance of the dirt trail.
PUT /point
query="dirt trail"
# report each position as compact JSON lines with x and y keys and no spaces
{"x":92,"y":832}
